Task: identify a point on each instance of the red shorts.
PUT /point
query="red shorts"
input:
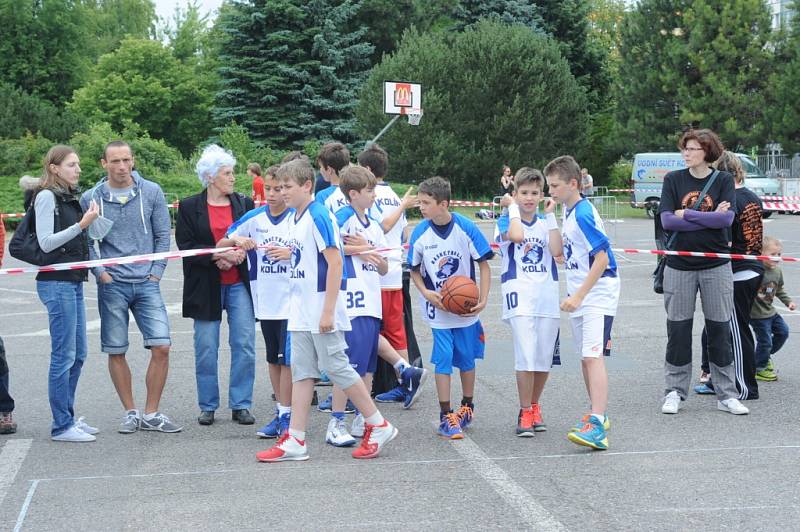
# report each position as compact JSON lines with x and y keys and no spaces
{"x":392,"y":327}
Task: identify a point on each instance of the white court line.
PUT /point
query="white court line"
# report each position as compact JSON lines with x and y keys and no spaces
{"x":517,"y":497}
{"x":23,"y":512}
{"x":11,"y":458}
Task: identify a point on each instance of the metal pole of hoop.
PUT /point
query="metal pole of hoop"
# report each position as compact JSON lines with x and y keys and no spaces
{"x":413,"y":119}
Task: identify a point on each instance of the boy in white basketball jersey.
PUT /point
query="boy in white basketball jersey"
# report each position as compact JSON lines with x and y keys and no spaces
{"x":390,"y":210}
{"x":592,"y":292}
{"x":264,"y":233}
{"x":332,"y":159}
{"x":318,"y":319}
{"x":529,"y":244}
{"x":443,"y":245}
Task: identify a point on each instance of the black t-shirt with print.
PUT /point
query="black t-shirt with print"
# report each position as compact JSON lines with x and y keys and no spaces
{"x":747,"y":230}
{"x":680,"y":191}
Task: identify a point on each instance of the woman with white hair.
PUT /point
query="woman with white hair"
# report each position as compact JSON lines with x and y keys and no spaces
{"x":215,"y":282}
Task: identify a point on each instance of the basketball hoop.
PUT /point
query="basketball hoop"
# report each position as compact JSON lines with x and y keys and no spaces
{"x":414,"y":117}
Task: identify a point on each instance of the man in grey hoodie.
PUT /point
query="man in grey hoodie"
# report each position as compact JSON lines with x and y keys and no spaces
{"x":141,"y":225}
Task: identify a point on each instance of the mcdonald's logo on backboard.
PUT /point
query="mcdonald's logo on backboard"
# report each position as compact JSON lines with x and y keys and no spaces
{"x":402,"y":97}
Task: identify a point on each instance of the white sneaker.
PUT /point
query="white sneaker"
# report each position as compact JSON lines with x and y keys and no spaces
{"x":733,"y":406}
{"x":337,"y":434}
{"x":73,"y":434}
{"x":357,"y":428}
{"x":85,"y":427}
{"x":672,"y":403}
{"x":375,"y":439}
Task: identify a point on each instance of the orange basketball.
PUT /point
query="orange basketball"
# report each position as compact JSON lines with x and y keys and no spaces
{"x":459,"y":294}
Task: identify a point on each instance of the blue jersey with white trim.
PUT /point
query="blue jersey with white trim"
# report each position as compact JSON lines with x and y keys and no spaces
{"x":387,"y":202}
{"x":439,"y":252}
{"x":269,"y":279}
{"x":583,"y":237}
{"x":333,"y":198}
{"x":311,"y":232}
{"x":529,"y":275}
{"x":363,"y":289}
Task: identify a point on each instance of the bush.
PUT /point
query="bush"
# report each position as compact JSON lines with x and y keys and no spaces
{"x":493,"y":94}
{"x":24,"y":154}
{"x":21,"y":113}
{"x":619,"y":175}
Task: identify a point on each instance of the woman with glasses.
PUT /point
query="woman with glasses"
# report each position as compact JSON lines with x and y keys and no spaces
{"x":697,"y":203}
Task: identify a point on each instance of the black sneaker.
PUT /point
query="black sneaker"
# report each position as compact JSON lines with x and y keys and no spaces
{"x":243,"y":416}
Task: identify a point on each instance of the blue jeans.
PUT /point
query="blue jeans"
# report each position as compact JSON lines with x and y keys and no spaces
{"x":771,"y":334}
{"x":67,"y":315}
{"x":242,"y":340}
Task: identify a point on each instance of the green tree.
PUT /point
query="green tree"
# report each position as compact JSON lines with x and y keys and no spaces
{"x":783,"y":109}
{"x":143,"y":83}
{"x":21,"y":112}
{"x":477,"y":117}
{"x":468,"y":12}
{"x":112,"y":21}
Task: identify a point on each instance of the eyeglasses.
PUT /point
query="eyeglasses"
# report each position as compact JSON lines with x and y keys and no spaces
{"x":691,"y":149}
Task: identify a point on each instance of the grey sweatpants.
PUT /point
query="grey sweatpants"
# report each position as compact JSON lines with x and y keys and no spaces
{"x":716,"y":296}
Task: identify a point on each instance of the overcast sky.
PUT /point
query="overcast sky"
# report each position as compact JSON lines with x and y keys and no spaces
{"x":166,"y":8}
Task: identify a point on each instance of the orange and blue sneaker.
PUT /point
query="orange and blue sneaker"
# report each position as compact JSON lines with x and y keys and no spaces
{"x":592,"y":434}
{"x":525,"y":423}
{"x":465,"y":415}
{"x":585,"y":419}
{"x":450,"y":426}
{"x":538,"y":422}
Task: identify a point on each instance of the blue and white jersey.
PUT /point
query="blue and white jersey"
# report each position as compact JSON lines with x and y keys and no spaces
{"x":438,"y":252}
{"x":583,"y":237}
{"x":387,"y":202}
{"x":269,"y":279}
{"x":530,"y":278}
{"x":333,"y":198}
{"x":311,"y":232}
{"x":363,"y":291}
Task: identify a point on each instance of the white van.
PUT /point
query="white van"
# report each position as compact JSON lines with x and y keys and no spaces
{"x":649,"y":170}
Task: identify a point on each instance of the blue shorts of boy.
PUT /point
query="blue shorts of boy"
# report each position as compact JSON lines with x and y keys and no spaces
{"x":144,"y":300}
{"x":277,"y":341}
{"x":458,"y":347}
{"x":312,"y":352}
{"x":362,"y":344}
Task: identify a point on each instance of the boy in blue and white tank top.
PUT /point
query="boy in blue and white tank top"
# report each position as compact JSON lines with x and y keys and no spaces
{"x":592,"y":292}
{"x":528,"y":244}
{"x":443,"y":245}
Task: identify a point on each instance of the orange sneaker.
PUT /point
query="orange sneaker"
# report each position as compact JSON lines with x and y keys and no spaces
{"x":538,"y":422}
{"x":525,"y":423}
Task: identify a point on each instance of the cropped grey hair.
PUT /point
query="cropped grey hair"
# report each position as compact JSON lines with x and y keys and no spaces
{"x":211,"y":160}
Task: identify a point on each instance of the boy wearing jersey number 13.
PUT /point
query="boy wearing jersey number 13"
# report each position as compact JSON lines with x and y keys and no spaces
{"x":443,"y":245}
{"x":592,"y":293}
{"x":317,"y":320}
{"x":529,"y":244}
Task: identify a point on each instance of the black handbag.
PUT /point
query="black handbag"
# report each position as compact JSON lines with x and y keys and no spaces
{"x":24,"y":245}
{"x":658,"y":273}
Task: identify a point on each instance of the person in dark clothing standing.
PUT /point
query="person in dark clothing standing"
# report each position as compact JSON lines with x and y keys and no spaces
{"x":747,"y":233}
{"x":7,"y":424}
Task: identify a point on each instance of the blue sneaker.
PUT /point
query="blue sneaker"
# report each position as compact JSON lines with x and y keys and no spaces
{"x":283,"y":424}
{"x":327,"y":405}
{"x":465,"y":415}
{"x":592,"y":434}
{"x":585,"y":419}
{"x":270,"y":430}
{"x":413,"y":379}
{"x":704,"y":389}
{"x":395,"y":395}
{"x":450,"y":427}
{"x":324,"y":380}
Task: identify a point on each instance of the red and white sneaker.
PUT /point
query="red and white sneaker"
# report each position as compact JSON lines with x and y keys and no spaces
{"x":375,"y":437}
{"x":286,"y":448}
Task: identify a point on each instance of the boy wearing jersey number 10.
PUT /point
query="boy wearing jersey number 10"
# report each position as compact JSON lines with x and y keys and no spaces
{"x":592,"y":293}
{"x":317,"y":320}
{"x":529,"y":245}
{"x":443,"y":245}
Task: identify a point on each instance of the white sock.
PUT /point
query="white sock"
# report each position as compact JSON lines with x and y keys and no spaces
{"x":284,"y":410}
{"x":375,"y":419}
{"x":150,"y":416}
{"x":299,"y":435}
{"x":136,"y":412}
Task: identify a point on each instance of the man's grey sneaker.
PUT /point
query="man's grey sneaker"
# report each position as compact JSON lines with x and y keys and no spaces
{"x":85,"y":427}
{"x":243,"y":416}
{"x":160,"y":423}
{"x":130,"y":422}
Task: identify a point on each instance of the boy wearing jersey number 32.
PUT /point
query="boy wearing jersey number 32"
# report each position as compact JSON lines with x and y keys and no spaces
{"x":317,"y":320}
{"x":592,"y":292}
{"x":529,"y":244}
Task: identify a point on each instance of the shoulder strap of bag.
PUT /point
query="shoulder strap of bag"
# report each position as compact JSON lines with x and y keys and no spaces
{"x":697,"y":203}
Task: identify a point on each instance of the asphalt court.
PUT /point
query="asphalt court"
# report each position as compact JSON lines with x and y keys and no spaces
{"x":701,"y":468}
